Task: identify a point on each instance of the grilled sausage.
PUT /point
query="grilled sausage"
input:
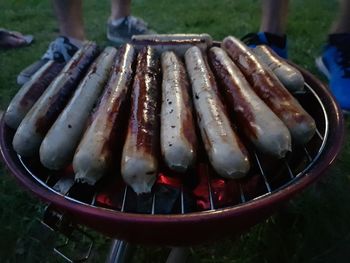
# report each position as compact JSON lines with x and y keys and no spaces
{"x":139,"y":161}
{"x":58,"y":146}
{"x":30,"y":92}
{"x":226,"y":153}
{"x":289,"y":76}
{"x":300,"y":124}
{"x":94,"y":155}
{"x":263,"y":128}
{"x":43,"y":114}
{"x":178,"y":43}
{"x":178,"y":138}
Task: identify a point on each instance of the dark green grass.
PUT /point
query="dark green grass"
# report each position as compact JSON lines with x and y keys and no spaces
{"x":314,"y":227}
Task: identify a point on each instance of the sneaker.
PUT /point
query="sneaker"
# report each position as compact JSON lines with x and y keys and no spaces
{"x":61,"y":50}
{"x":128,"y":27}
{"x":335,"y":65}
{"x":277,"y":43}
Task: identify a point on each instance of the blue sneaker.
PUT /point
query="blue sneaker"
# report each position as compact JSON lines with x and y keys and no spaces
{"x":335,"y":64}
{"x":277,"y":43}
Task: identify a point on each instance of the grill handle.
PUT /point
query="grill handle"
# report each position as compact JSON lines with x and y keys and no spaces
{"x":56,"y":221}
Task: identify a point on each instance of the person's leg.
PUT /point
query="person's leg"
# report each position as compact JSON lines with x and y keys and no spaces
{"x":121,"y":25}
{"x":342,"y":22}
{"x":71,"y":30}
{"x":70,"y":18}
{"x":335,"y":60}
{"x":120,"y":9}
{"x":274,"y":16}
{"x":272,"y":27}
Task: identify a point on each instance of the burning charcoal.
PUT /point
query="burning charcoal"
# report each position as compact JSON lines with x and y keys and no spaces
{"x":111,"y":194}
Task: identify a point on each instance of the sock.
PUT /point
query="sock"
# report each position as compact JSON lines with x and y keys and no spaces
{"x":279,"y":41}
{"x":117,"y":22}
{"x":338,"y":39}
{"x":76,"y":42}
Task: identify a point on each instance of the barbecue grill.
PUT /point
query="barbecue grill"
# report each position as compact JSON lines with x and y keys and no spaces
{"x":269,"y":185}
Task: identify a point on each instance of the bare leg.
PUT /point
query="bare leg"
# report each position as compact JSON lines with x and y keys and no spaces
{"x":121,"y":26}
{"x":70,"y":23}
{"x":70,"y":18}
{"x":342,"y":23}
{"x":274,"y":16}
{"x":120,"y":9}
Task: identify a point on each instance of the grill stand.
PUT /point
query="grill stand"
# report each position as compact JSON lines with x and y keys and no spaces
{"x":120,"y":252}
{"x":178,"y":255}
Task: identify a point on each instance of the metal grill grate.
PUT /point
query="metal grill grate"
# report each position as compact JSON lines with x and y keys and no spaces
{"x":307,"y":156}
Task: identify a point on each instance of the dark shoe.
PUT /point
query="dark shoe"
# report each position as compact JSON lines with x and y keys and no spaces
{"x":61,"y":50}
{"x":277,"y":43}
{"x":335,"y":65}
{"x":13,"y":39}
{"x":123,"y":32}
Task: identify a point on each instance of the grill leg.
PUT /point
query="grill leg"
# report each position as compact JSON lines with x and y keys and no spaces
{"x":120,"y":252}
{"x":178,"y":255}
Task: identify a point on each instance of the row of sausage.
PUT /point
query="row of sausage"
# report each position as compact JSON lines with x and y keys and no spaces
{"x":148,"y":108}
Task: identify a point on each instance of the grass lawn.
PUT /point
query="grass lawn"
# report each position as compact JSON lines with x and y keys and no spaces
{"x":314,"y":227}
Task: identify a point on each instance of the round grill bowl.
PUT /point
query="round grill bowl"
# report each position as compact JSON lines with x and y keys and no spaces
{"x":195,"y":227}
